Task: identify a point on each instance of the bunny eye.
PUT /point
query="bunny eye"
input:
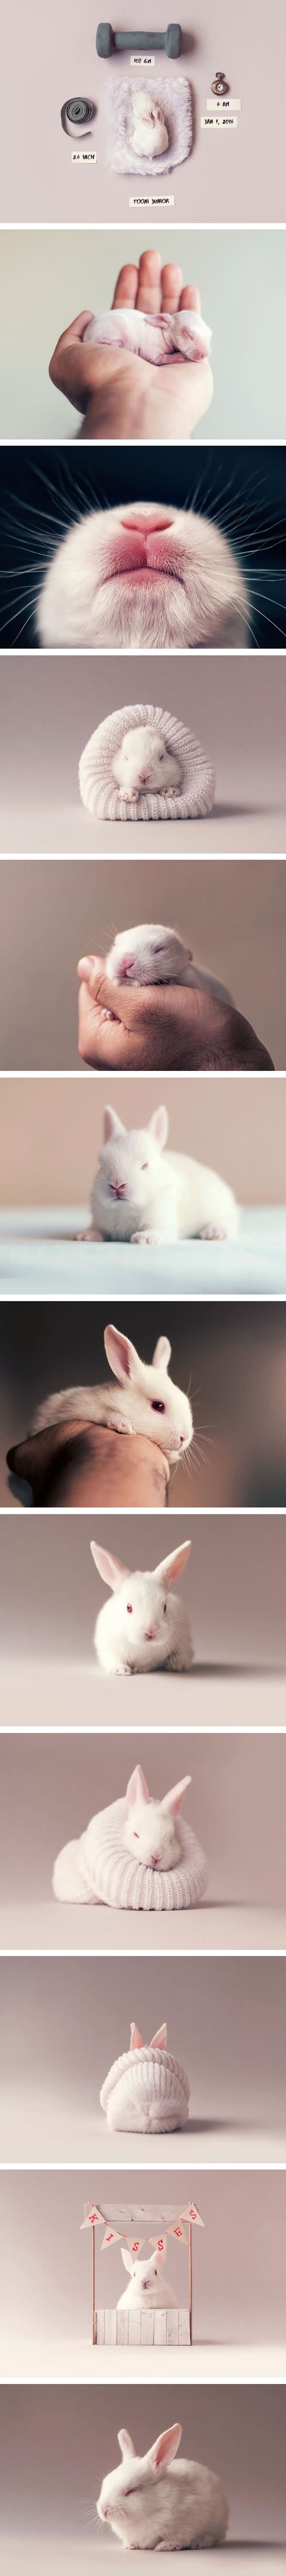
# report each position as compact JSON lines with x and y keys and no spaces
{"x":156,"y":1407}
{"x":135,"y":1835}
{"x":144,"y":1167}
{"x":129,"y":1607}
{"x":165,"y":1607}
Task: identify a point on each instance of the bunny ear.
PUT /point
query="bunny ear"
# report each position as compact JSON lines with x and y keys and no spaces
{"x":160,"y":2037}
{"x":123,"y":1359}
{"x":125,"y":2443}
{"x":164,"y":2449}
{"x":162,"y":1354}
{"x":135,"y":2041}
{"x":173,"y":1798}
{"x":172,"y":1566}
{"x":190,"y":953}
{"x":112,"y":1125}
{"x":108,"y":1566}
{"x":127,"y":2260}
{"x":159,"y":1126}
{"x":137,"y":1787}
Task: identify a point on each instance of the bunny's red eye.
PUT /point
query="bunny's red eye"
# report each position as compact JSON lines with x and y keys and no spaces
{"x":156,"y":1407}
{"x":129,"y":1607}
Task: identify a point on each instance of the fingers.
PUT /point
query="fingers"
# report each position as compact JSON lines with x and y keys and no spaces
{"x":126,"y":287}
{"x":171,"y":282}
{"x":68,"y":340}
{"x":190,"y":300}
{"x":101,"y":992}
{"x":148,"y":299}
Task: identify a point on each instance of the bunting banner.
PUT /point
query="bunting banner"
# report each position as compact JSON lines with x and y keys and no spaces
{"x":94,"y":2217}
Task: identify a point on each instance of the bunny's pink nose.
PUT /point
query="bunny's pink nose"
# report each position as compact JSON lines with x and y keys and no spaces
{"x":118,"y":1189}
{"x":154,"y":1860}
{"x":149,"y":1632}
{"x":125,"y":963}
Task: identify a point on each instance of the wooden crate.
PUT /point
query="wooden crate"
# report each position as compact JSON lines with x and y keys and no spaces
{"x":155,"y":2326}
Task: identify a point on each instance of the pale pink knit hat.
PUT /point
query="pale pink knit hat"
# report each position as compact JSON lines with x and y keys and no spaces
{"x":99,"y":793}
{"x":146,"y":2089}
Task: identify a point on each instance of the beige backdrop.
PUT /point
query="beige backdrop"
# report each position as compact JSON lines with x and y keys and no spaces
{"x":232,"y":913}
{"x":51,"y":1132}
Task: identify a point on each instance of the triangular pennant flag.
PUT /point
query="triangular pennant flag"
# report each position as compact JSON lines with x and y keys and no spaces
{"x":159,"y":2242}
{"x":112,"y":2237}
{"x":134,"y":2245}
{"x":92,"y":2216}
{"x":193,"y":2215}
{"x":179,"y":2231}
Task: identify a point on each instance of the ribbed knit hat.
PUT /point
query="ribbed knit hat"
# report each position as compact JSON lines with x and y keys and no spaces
{"x":146,"y":2090}
{"x":98,"y":788}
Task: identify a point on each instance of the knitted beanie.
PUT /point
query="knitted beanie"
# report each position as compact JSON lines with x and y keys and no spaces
{"x":98,"y":1870}
{"x":98,"y":787}
{"x":146,"y":2090}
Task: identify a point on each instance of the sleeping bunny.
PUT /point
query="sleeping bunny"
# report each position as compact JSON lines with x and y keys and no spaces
{"x":144,"y":761}
{"x":148,"y":1400}
{"x":146,"y":2288}
{"x":142,"y":1195}
{"x":136,"y":1854}
{"x":153,"y":2503}
{"x":144,"y":1628}
{"x":157,"y":337}
{"x":149,"y":133}
{"x":152,"y":953}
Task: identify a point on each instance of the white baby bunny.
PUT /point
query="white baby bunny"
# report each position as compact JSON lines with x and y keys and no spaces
{"x":144,"y":761}
{"x":152,"y":953}
{"x":143,"y":1195}
{"x":150,"y":134}
{"x":158,"y":337}
{"x":150,"y":1822}
{"x":144,"y":1628}
{"x":146,"y":2288}
{"x":161,"y":2503}
{"x":148,"y":1401}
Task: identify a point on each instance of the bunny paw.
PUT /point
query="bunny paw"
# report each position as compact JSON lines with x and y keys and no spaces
{"x":213,"y":1234}
{"x":116,"y":1423}
{"x":146,"y":1236}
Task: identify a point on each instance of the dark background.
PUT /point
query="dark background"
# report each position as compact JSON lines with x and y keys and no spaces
{"x":231,"y":1355}
{"x":43,"y":489}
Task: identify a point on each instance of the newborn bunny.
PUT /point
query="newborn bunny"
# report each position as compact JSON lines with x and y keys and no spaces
{"x":142,"y":1629}
{"x":144,"y":761}
{"x":152,"y":954}
{"x":148,"y":1400}
{"x":150,"y":134}
{"x":146,"y":2289}
{"x":158,"y":337}
{"x":152,"y":2504}
{"x":144,"y":578}
{"x":142,"y":1195}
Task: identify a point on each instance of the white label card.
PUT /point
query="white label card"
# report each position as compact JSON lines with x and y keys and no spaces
{"x":142,"y":62}
{"x":83,"y":156}
{"x":151,"y":201}
{"x":230,"y":103}
{"x":217,"y":123}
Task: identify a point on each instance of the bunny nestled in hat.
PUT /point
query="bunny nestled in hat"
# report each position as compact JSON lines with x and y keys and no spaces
{"x":159,"y":2503}
{"x":138,"y":1854}
{"x":146,"y":2090}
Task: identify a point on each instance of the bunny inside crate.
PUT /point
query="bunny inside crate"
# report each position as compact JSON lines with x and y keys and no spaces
{"x":139,"y":2317}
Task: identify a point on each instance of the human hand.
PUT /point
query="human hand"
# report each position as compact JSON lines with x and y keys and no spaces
{"x":122,"y":396}
{"x":161,"y":1027}
{"x":77,"y":1465}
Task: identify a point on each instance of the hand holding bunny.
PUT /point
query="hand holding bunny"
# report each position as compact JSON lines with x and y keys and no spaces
{"x":148,"y":1401}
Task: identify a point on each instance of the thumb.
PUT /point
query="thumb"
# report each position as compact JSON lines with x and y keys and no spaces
{"x":101,"y":991}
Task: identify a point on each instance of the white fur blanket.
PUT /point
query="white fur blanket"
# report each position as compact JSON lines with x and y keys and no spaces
{"x":98,"y":789}
{"x":174,"y":99}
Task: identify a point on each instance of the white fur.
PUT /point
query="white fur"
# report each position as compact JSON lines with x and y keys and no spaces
{"x":150,"y":135}
{"x":142,"y":1194}
{"x":159,"y":2502}
{"x":150,"y":1822}
{"x":189,"y":590}
{"x":144,"y":761}
{"x":194,"y":796}
{"x":138,"y":1854}
{"x":121,"y":1634}
{"x":148,"y":1401}
{"x":150,"y":953}
{"x":146,"y":2288}
{"x":159,"y":338}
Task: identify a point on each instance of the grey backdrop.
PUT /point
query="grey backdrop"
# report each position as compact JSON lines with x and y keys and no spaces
{"x":239,"y":2263}
{"x":63,"y":2022}
{"x":234,"y":1585}
{"x":50,"y":704}
{"x":50,"y":1786}
{"x":57,"y":2444}
{"x":59,"y":273}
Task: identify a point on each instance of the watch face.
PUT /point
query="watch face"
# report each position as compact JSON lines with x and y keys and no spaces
{"x":77,"y":110}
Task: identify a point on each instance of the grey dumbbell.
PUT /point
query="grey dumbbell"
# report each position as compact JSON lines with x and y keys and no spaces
{"x":107,"y":43}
